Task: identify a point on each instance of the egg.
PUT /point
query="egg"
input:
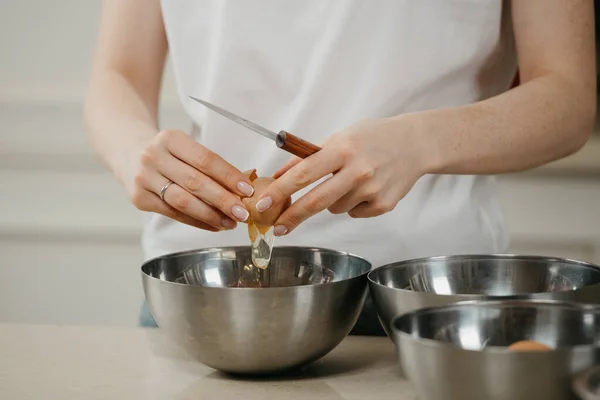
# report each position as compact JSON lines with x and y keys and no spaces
{"x":264,"y":220}
{"x":528,"y":345}
{"x":260,"y":224}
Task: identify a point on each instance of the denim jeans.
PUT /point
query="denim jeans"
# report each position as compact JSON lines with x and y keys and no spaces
{"x":367,"y":324}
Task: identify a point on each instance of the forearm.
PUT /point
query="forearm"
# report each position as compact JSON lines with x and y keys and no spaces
{"x":545,"y":119}
{"x":122,"y":101}
{"x":119,"y":121}
{"x":549,"y":116}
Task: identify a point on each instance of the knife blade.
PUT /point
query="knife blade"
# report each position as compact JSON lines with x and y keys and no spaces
{"x":284,"y":140}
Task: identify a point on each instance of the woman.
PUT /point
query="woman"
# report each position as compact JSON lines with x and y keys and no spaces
{"x":409,"y":100}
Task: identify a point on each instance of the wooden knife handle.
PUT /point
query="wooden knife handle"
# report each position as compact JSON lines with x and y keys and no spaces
{"x":294,"y":145}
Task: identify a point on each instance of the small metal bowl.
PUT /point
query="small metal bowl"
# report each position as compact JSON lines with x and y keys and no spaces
{"x":405,"y":286}
{"x":587,"y":384}
{"x":460,"y":351}
{"x":304,"y":314}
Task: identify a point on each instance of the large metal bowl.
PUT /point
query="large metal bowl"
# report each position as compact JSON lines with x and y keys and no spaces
{"x":256,"y":330}
{"x":409,"y":285}
{"x":459,"y":351}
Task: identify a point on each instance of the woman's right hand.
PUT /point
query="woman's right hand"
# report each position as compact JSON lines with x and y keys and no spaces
{"x":206,"y":189}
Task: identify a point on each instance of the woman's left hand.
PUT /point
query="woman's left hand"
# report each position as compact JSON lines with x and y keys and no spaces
{"x":374,"y":164}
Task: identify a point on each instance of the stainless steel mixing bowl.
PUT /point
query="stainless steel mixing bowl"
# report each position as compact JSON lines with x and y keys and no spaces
{"x":405,"y":286}
{"x":256,"y":330}
{"x":459,"y":351}
{"x":587,"y":384}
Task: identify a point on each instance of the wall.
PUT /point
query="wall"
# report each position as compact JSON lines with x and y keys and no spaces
{"x":69,"y":240}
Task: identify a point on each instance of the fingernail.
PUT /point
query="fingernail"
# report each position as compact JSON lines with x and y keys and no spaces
{"x":245,"y":189}
{"x":264,"y":204}
{"x":228,"y":223}
{"x":280,"y":230}
{"x":240,"y":213}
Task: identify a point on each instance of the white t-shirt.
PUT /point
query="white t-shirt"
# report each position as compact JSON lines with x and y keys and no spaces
{"x":314,"y":67}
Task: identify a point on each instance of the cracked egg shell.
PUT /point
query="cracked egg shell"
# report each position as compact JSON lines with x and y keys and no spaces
{"x":269,"y":217}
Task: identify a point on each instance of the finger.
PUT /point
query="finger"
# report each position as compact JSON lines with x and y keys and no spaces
{"x":318,"y":199}
{"x":152,"y":203}
{"x":203,"y":187}
{"x":172,"y":213}
{"x":183,"y":201}
{"x":373,"y":208}
{"x":291,"y":162}
{"x":304,"y":173}
{"x":185,"y":148}
{"x":178,"y":199}
{"x":346,"y":203}
{"x":353,"y":198}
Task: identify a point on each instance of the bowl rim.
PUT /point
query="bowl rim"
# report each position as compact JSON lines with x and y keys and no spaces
{"x":581,"y":382}
{"x":584,"y":307}
{"x":492,"y":256}
{"x":147,"y":276}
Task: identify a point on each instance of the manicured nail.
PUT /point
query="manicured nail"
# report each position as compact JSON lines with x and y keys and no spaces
{"x":228,"y":223}
{"x":245,"y":189}
{"x":264,"y":204}
{"x":240,"y":213}
{"x":280,"y":230}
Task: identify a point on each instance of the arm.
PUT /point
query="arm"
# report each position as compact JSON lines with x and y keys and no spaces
{"x":121,"y":117}
{"x":549,"y":116}
{"x":122,"y":101}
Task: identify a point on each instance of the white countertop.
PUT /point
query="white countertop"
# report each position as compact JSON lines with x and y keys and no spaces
{"x":65,"y":362}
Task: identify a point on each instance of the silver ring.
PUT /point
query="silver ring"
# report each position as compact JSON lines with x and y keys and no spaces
{"x":164,"y":189}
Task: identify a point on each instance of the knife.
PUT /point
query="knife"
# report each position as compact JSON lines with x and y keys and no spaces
{"x":284,"y":140}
